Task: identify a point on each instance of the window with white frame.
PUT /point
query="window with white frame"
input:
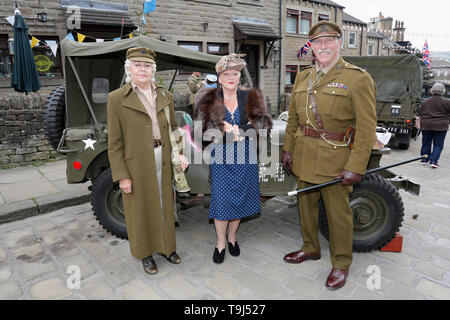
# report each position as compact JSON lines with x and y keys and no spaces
{"x":352,"y":39}
{"x":370,"y":49}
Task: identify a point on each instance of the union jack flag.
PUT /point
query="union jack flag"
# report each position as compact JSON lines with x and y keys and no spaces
{"x":304,"y":50}
{"x":426,"y":55}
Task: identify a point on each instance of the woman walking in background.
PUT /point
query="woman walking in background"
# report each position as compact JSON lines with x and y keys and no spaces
{"x":434,"y":121}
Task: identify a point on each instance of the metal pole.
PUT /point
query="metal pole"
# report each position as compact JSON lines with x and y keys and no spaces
{"x":329,"y":183}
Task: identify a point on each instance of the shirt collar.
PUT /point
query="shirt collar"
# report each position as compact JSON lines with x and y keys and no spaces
{"x":135,"y":87}
{"x":330,"y":66}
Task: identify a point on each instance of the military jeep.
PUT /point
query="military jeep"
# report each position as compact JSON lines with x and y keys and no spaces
{"x":75,"y":125}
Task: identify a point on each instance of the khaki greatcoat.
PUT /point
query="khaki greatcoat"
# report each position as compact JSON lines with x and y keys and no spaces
{"x":131,"y":155}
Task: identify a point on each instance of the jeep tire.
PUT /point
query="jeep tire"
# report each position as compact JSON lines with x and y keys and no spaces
{"x":377,"y":213}
{"x":54,"y":115}
{"x":106,"y":200}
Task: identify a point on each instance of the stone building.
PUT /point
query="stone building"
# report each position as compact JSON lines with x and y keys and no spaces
{"x":354,"y":38}
{"x":221,"y":27}
{"x":210,"y":26}
{"x":297,"y":18}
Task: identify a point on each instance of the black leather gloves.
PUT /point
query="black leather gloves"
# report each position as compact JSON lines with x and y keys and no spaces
{"x":286,"y":160}
{"x":349,"y":178}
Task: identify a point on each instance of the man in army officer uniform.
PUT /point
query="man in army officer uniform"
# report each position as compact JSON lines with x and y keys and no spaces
{"x":327,"y":100}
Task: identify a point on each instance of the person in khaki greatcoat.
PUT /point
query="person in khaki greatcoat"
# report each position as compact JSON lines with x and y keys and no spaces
{"x":139,"y":151}
{"x":327,"y":99}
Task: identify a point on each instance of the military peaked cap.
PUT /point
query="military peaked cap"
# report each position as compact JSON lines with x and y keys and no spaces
{"x":141,"y":54}
{"x":324,"y":29}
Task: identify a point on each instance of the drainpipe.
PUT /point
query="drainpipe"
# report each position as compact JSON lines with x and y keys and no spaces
{"x":279,"y":63}
{"x":362,"y":33}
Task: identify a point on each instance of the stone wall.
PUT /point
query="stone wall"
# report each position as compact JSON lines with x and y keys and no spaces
{"x":22,"y":138}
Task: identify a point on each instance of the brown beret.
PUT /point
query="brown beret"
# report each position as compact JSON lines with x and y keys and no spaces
{"x":324,"y":29}
{"x":141,"y":54}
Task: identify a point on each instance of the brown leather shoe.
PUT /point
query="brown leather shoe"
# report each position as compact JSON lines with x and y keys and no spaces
{"x":300,"y":256}
{"x":174,"y":258}
{"x":149,"y":265}
{"x":337,"y":278}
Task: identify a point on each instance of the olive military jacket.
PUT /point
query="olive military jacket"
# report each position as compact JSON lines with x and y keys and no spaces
{"x":131,"y":155}
{"x":345,"y":97}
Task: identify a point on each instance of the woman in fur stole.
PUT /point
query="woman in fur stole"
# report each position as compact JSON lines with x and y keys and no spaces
{"x":233,"y":118}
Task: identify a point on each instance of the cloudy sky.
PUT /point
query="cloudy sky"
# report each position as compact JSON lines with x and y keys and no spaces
{"x":429,"y":19}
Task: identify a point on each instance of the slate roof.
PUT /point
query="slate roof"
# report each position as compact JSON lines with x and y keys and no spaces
{"x":349,"y":18}
{"x":327,"y":2}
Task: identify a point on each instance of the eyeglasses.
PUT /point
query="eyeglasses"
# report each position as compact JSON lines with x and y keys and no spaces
{"x":324,"y":40}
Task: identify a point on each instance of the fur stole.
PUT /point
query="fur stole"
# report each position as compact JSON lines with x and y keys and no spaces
{"x":212,"y":109}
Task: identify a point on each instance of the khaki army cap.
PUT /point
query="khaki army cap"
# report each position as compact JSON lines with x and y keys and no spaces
{"x":141,"y":54}
{"x":324,"y":29}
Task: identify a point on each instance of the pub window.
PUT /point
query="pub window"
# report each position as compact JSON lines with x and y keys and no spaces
{"x":194,"y":46}
{"x":291,"y":72}
{"x":352,"y":39}
{"x":305,"y":22}
{"x":5,"y":58}
{"x":323,"y":17}
{"x":292,"y":21}
{"x":370,"y":50}
{"x":46,"y":63}
{"x":217,"y":48}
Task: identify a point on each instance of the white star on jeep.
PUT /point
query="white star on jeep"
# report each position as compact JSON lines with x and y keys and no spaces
{"x":89,"y":143}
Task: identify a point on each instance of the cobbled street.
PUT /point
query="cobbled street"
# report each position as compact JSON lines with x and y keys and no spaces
{"x":38,"y":254}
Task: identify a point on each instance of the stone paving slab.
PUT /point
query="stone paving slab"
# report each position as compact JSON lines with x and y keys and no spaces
{"x":30,"y":190}
{"x":38,"y":252}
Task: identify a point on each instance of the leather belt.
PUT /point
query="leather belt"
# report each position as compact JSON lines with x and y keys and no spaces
{"x":329,"y":135}
{"x":156,"y":143}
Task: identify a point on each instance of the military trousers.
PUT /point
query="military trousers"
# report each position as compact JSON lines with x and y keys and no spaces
{"x":339,"y":217}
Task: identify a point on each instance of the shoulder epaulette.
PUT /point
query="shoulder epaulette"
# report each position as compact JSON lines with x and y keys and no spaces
{"x":347,"y":65}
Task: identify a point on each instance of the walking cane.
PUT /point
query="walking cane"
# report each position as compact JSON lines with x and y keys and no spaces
{"x":329,"y":183}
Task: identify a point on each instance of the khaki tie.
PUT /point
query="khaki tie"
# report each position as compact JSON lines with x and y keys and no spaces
{"x":319,"y":77}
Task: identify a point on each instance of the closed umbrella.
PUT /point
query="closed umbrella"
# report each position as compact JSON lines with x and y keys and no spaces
{"x":25,"y":77}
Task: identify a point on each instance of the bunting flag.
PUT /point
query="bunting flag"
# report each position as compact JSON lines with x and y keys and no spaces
{"x":69,"y":36}
{"x":53,"y":46}
{"x":144,"y":22}
{"x":426,"y":55}
{"x":130,"y":35}
{"x":11,"y":19}
{"x":81,"y":37}
{"x":149,"y":6}
{"x":304,"y":50}
{"x":34,"y":41}
{"x":99,"y":40}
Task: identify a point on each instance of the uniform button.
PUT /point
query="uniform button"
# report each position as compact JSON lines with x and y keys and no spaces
{"x":334,"y":92}
{"x":310,"y":107}
{"x":315,"y":91}
{"x":335,"y":147}
{"x":307,"y":121}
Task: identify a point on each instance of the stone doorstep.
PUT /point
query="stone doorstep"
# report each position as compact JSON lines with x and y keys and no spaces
{"x":27,"y":208}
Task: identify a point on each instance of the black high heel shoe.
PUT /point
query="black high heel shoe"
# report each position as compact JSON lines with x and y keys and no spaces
{"x":218,"y":257}
{"x":234,"y":250}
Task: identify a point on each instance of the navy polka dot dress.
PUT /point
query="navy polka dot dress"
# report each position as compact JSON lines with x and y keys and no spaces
{"x":234,"y":177}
